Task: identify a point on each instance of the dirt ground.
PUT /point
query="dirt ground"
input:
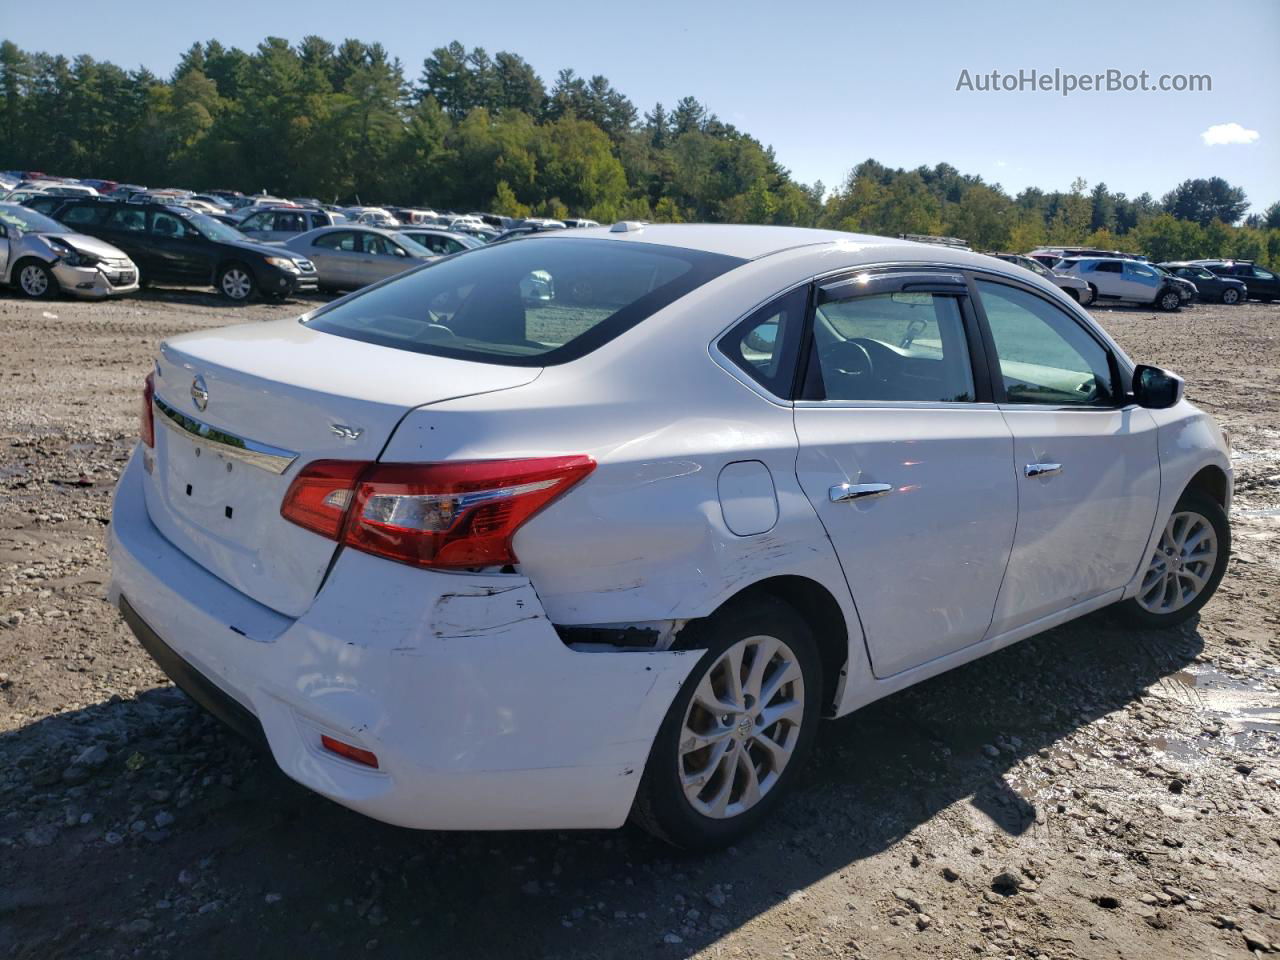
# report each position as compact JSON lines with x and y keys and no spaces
{"x":1093,"y":792}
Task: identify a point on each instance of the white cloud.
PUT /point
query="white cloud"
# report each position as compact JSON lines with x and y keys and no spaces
{"x":1223,"y":133}
{"x":1001,"y":163}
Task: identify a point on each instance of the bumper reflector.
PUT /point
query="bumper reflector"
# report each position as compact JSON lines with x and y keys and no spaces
{"x":346,"y":750}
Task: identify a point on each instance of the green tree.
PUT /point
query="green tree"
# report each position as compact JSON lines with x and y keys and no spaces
{"x":504,"y":202}
{"x":1206,"y":200}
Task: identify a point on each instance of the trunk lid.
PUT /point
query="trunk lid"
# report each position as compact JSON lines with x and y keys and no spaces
{"x":240,"y":410}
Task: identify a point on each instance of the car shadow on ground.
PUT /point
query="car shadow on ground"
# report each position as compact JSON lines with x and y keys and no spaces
{"x":255,"y":865}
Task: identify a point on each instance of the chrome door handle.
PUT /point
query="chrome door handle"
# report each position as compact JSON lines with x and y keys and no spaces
{"x":1043,"y":469}
{"x":844,"y":492}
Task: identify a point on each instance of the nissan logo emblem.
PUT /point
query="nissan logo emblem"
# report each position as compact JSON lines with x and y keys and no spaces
{"x":199,"y":393}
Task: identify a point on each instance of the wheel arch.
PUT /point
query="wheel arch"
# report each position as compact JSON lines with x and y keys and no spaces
{"x":818,"y":607}
{"x":1211,"y":481}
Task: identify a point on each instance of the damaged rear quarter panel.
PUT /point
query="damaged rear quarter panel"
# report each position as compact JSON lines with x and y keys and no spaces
{"x":477,"y":675}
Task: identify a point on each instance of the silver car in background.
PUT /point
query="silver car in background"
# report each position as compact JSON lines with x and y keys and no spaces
{"x":1074,"y":287}
{"x":278,"y":224}
{"x":348,"y":257}
{"x":439,"y":241}
{"x":41,"y":258}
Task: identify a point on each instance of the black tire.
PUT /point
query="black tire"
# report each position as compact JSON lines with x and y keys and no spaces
{"x":1093,"y":295}
{"x":236,"y":282}
{"x":1192,"y":501}
{"x":1230,"y":296}
{"x":661,"y":806}
{"x":1168,"y":299}
{"x":34,"y":280}
{"x":1072,"y":292}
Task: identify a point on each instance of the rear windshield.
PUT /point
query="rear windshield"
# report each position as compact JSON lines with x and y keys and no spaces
{"x":533,"y":302}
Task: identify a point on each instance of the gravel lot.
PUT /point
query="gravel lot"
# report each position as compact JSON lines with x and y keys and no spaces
{"x":1093,"y":792}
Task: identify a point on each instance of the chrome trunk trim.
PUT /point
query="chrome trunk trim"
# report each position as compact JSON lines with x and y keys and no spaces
{"x":261,"y":455}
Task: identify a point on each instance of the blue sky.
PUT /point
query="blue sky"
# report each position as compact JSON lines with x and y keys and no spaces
{"x":828,"y":84}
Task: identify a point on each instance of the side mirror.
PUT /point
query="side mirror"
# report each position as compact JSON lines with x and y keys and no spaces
{"x":1156,"y":389}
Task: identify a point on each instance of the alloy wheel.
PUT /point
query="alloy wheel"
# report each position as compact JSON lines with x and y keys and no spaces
{"x":741,"y":727}
{"x":236,"y":284}
{"x":1170,"y":300}
{"x":1230,"y":296}
{"x":1182,"y":564}
{"x":34,"y":281}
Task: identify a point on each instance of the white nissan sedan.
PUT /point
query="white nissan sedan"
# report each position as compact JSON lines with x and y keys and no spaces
{"x":468,"y":559}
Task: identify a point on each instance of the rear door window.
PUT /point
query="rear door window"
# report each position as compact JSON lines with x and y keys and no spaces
{"x":85,"y":216}
{"x":540,"y":301}
{"x":893,"y":347}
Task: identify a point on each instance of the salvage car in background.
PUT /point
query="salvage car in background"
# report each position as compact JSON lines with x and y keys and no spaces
{"x":1114,"y":280}
{"x":40,"y":258}
{"x":1187,"y":291}
{"x":1074,"y":287}
{"x":471,"y":561}
{"x":348,"y":257}
{"x":1211,"y":287}
{"x":177,"y":245}
{"x":277,"y":224}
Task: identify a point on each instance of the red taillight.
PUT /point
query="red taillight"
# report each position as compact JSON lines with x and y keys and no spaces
{"x":320,"y":494}
{"x":446,"y":515}
{"x":354,"y":754}
{"x":147,"y":415}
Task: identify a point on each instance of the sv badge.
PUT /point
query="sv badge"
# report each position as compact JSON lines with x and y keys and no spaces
{"x":345,"y":432}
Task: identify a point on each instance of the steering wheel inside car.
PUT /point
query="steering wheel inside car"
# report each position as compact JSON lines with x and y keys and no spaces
{"x":847,"y":358}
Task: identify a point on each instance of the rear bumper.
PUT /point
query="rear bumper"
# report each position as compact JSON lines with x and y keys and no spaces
{"x":481,"y":718}
{"x":191,"y":681}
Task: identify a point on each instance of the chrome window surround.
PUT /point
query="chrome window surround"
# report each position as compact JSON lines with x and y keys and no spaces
{"x":261,"y":455}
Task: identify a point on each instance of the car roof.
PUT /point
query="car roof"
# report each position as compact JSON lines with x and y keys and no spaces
{"x":750,"y":242}
{"x":351,"y":227}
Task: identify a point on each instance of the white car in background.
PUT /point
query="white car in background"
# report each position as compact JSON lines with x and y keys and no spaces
{"x":468,"y":560}
{"x":51,"y":189}
{"x":1119,"y":280}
